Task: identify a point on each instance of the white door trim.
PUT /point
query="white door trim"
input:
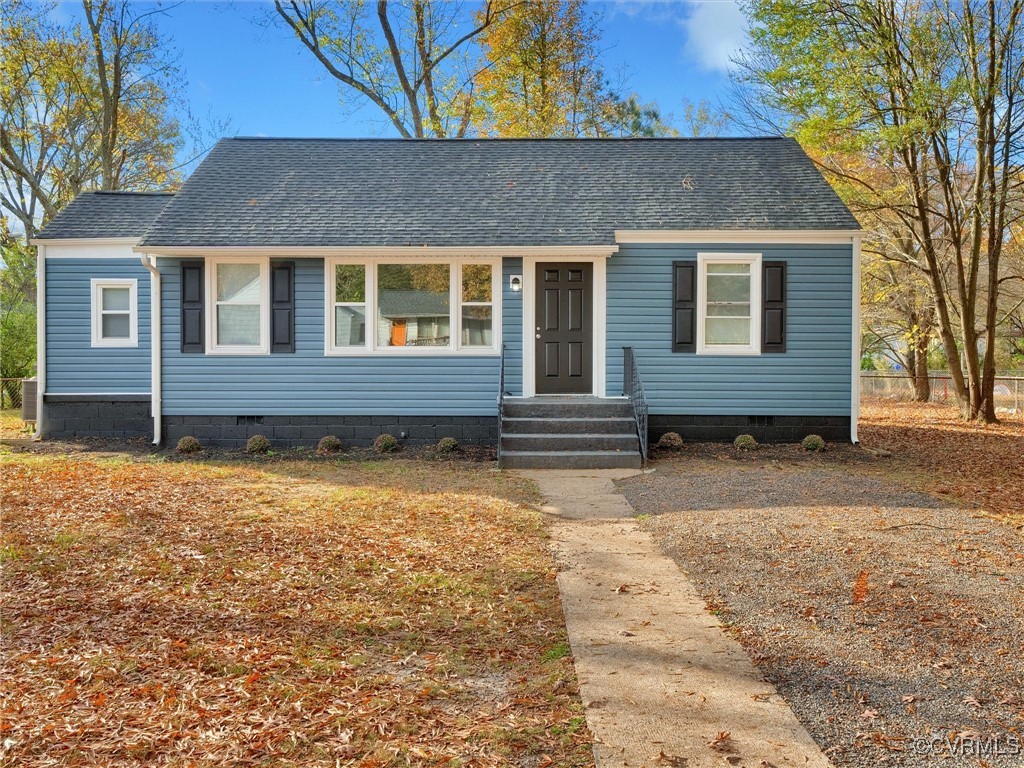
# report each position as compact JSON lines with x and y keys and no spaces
{"x":600,"y":305}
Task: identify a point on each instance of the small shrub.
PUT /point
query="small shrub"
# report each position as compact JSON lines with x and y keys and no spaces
{"x":328,"y":444}
{"x":189,"y":444}
{"x":385,"y":443}
{"x":257,"y":444}
{"x":745,"y":443}
{"x":447,"y":444}
{"x":813,"y":443}
{"x":671,"y":441}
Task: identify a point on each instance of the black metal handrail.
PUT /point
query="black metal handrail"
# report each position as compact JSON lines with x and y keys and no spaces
{"x":633,"y":388}
{"x":501,"y":395}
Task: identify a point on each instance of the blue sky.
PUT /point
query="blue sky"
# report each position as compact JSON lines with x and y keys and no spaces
{"x":265,"y":83}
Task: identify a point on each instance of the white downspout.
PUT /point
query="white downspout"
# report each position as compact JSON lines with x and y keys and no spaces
{"x":855,"y":343}
{"x":40,"y":340}
{"x":149,"y":262}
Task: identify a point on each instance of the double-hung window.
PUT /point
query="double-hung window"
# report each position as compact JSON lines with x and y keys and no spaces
{"x":729,"y":304}
{"x":115,"y":313}
{"x":410,"y":306}
{"x":238,"y":300}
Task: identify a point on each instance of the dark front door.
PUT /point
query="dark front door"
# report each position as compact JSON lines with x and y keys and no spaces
{"x":565,"y":329}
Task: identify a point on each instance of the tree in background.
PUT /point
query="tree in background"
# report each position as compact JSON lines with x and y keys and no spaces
{"x":84,"y":107}
{"x":17,"y":308}
{"x":412,"y":59}
{"x":543,"y":77}
{"x":929,"y":92}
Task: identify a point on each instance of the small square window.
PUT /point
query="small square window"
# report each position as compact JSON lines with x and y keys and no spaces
{"x":115,"y":321}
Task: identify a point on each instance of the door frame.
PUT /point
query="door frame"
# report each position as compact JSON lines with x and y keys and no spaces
{"x":600,"y":306}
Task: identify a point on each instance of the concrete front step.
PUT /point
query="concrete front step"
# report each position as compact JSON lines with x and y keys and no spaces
{"x":548,"y":442}
{"x":598,"y":425}
{"x":568,"y":408}
{"x":570,"y":460}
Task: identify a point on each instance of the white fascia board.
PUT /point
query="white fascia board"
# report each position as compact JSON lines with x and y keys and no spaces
{"x":729,"y":236}
{"x":132,"y":241}
{"x":455,"y":251}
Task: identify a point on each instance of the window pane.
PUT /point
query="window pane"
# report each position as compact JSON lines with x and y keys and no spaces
{"x":728,"y":269}
{"x":413,"y":306}
{"x":117,"y":326}
{"x":476,"y":282}
{"x":350,"y":283}
{"x":238,"y":326}
{"x":728,"y":287}
{"x":238,"y":282}
{"x":727,"y":330}
{"x":729,"y":310}
{"x":476,"y":327}
{"x":117,"y":299}
{"x":350,"y":326}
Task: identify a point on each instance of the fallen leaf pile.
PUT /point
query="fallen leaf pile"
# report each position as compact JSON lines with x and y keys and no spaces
{"x":979,"y":464}
{"x":182,"y":614}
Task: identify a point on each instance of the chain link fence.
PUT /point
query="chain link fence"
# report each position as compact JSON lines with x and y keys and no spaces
{"x":10,"y":393}
{"x":1009,"y":388}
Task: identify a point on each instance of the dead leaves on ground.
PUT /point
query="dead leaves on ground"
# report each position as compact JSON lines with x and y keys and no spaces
{"x":184,"y":614}
{"x":979,"y":464}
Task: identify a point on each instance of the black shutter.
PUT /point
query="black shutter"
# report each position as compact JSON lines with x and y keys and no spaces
{"x":282,"y":306}
{"x":684,"y":306}
{"x":773,"y":319}
{"x":192,"y":300}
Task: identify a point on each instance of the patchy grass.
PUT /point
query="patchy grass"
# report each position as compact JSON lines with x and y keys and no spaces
{"x":977,"y":465}
{"x":299,"y":613}
{"x":11,"y":424}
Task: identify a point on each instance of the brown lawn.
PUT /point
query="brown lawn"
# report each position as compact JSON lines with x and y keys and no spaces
{"x":979,"y":465}
{"x":279,"y":614}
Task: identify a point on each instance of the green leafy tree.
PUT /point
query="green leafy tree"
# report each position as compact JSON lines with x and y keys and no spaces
{"x":914,"y":110}
{"x":17,"y":308}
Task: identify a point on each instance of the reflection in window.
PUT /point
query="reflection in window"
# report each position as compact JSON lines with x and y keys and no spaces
{"x":350,"y":305}
{"x":413,"y":305}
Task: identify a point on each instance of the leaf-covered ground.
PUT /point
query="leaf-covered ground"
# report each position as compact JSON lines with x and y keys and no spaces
{"x":292,"y":614}
{"x":979,"y":465}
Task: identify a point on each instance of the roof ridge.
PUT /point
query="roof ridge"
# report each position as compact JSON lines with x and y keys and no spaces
{"x":114,"y":192}
{"x":503,"y":140}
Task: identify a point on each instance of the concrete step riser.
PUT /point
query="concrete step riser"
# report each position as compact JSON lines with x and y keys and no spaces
{"x":568,"y":410}
{"x":602,"y":426}
{"x":569,"y":461}
{"x":555,"y":443}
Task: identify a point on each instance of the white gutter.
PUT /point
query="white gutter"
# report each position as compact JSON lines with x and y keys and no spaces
{"x":149,"y":262}
{"x":855,"y":344}
{"x":40,"y":339}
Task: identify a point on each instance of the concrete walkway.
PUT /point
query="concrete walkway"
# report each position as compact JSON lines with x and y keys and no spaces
{"x":662,"y":683}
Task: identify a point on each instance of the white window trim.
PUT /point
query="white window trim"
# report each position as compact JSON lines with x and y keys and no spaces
{"x":98,"y":284}
{"x":754,"y":260}
{"x":212,"y":348}
{"x":454,"y":347}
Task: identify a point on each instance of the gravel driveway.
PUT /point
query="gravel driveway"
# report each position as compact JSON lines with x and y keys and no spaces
{"x":892,"y":623}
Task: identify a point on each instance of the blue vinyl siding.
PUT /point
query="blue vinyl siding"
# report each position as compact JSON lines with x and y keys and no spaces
{"x":307,"y":382}
{"x":811,"y":378}
{"x":73,"y":366}
{"x":512,"y":327}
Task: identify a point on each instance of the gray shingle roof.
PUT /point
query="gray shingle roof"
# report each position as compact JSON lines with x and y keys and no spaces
{"x":106,"y":214}
{"x":394,"y":192}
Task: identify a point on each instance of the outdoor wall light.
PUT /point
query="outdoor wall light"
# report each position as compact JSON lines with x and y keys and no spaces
{"x":515,"y":282}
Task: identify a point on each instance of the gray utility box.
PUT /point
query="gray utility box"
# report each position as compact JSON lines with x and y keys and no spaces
{"x":29,"y":395}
